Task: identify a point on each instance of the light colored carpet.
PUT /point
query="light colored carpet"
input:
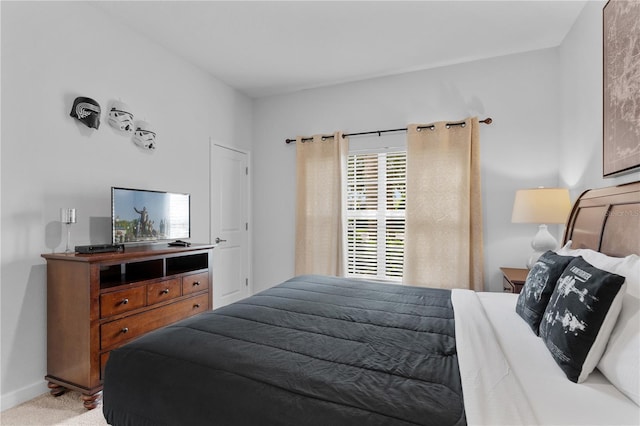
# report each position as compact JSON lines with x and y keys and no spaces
{"x":46,"y":409}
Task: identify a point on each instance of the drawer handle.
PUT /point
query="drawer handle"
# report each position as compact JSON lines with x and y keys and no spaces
{"x":125,"y":330}
{"x":165,"y":291}
{"x":125,"y":301}
{"x":196,"y":305}
{"x":196,"y":283}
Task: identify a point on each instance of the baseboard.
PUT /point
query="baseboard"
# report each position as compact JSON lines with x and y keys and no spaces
{"x":17,"y":397}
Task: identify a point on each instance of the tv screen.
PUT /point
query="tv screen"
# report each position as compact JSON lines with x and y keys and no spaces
{"x":139,"y":215}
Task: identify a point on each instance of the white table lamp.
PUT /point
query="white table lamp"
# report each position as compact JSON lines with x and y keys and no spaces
{"x":542,"y":206}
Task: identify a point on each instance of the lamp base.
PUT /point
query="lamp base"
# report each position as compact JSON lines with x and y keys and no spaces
{"x":68,"y":248}
{"x":542,"y":242}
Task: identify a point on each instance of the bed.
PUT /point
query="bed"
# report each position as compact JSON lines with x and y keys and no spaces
{"x":318,"y":350}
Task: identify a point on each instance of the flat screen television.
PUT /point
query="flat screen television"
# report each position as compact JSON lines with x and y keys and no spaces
{"x":145,"y":216}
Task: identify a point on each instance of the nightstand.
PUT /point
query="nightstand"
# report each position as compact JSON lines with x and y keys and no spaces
{"x":513,"y":279}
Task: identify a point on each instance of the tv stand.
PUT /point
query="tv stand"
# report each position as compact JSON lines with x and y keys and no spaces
{"x":98,"y":302}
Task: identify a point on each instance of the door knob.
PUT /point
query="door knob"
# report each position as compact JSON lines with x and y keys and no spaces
{"x":220,"y":240}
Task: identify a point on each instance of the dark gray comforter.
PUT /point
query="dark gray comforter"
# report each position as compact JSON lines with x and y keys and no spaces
{"x":311,"y":351}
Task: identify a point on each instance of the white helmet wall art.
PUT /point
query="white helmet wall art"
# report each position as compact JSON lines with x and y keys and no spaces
{"x":143,"y":136}
{"x":120,"y":117}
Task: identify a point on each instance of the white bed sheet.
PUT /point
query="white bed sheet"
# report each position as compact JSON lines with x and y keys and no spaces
{"x":533,"y":389}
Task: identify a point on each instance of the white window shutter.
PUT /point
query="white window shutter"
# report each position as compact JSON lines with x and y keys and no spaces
{"x":376,"y":215}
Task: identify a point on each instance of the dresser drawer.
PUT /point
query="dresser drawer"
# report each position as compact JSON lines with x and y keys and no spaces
{"x":507,"y":287}
{"x":513,"y":279}
{"x":122,"y":301}
{"x":164,"y":290}
{"x":195,"y":282}
{"x":116,"y":332}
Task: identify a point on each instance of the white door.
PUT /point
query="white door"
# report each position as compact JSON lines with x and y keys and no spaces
{"x":229,"y":224}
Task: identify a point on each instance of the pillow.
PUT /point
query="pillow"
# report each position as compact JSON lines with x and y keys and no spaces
{"x":619,"y":363}
{"x":538,"y":287}
{"x":597,"y":259}
{"x":580,"y":316}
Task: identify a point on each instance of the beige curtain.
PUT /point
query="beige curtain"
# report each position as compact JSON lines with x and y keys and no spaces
{"x":443,"y":243}
{"x":321,"y":173}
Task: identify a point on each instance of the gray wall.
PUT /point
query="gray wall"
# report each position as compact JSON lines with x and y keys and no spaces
{"x":547,"y":111}
{"x":520,"y":149}
{"x":581,"y":78}
{"x":51,"y":53}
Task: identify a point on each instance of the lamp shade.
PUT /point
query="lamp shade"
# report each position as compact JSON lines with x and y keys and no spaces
{"x":541,"y":205}
{"x":67,"y":215}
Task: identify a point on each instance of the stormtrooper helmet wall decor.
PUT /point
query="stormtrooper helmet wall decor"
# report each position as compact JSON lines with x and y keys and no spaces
{"x":143,"y":136}
{"x":120,"y":118}
{"x":87,"y":111}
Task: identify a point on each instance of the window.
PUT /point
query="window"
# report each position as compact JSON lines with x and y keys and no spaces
{"x":376,"y":197}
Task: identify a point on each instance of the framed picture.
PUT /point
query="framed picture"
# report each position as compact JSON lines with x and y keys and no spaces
{"x":621,"y":86}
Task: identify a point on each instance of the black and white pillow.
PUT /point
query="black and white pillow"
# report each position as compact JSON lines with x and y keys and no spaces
{"x":538,"y":287}
{"x":580,"y":315}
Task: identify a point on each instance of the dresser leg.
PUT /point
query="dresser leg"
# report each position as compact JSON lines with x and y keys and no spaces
{"x":56,"y":389}
{"x":91,"y":401}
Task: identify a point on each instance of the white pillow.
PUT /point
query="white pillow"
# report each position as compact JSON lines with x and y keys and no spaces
{"x":619,"y":363}
{"x":597,"y":259}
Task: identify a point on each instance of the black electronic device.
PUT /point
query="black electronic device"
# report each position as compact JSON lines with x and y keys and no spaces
{"x":100,"y":248}
{"x":180,"y":243}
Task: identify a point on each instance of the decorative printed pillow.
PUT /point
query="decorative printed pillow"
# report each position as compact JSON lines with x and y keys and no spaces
{"x":538,"y":287}
{"x":580,"y":316}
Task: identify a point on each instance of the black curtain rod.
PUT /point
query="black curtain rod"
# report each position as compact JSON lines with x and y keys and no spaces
{"x":487,"y":120}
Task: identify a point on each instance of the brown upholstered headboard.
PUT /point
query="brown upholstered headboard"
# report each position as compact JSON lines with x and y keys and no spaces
{"x":607,"y":220}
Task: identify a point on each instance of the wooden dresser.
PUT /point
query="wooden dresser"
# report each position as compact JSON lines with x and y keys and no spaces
{"x":98,"y":302}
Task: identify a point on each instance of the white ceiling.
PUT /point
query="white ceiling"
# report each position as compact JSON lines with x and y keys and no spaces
{"x":266,"y":47}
